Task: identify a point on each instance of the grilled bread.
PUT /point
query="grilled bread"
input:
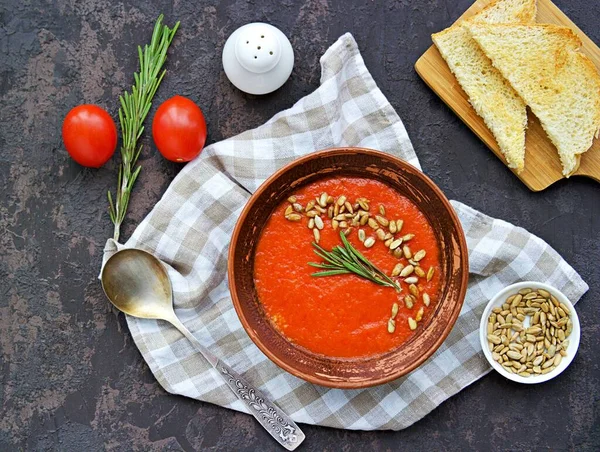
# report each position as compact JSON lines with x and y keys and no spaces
{"x":492,"y":97}
{"x":560,"y":84}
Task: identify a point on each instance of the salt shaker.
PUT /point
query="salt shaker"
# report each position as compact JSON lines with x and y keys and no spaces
{"x":258,"y":58}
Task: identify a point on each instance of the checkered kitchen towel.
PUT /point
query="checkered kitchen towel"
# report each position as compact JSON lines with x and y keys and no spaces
{"x":190,"y":228}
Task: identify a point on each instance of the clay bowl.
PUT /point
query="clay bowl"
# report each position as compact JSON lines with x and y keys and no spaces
{"x":343,"y":372}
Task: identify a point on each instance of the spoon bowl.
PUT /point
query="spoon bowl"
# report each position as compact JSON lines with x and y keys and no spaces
{"x":136,"y":283}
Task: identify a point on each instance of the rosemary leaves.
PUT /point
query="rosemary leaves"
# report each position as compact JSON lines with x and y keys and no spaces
{"x":347,"y":259}
{"x":134,"y":109}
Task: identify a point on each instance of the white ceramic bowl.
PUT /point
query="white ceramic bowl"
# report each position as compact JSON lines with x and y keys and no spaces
{"x":498,"y":300}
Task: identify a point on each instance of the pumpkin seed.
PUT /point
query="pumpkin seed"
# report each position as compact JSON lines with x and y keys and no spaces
{"x":409,"y":301}
{"x":548,"y":364}
{"x":533,"y":330}
{"x":288,"y":210}
{"x":335,"y":224}
{"x":388,"y":242}
{"x":373,"y":223}
{"x":407,"y":271}
{"x":341,"y":200}
{"x":362,"y":235}
{"x":494,"y":339}
{"x":544,"y":293}
{"x":426,"y":299}
{"x":413,"y":290}
{"x":412,"y":323}
{"x":380,"y":234}
{"x":430,"y":273}
{"x":411,"y":280}
{"x":397,"y":269}
{"x":317,"y":235}
{"x":322,"y":200}
{"x":294,"y":217}
{"x":292,"y":199}
{"x":349,"y":207}
{"x":297,"y":207}
{"x":513,"y":354}
{"x":408,"y":237}
{"x":395,"y":244}
{"x":406,"y":251}
{"x":312,"y":213}
{"x":419,"y":272}
{"x":392,"y":227}
{"x":394,"y":310}
{"x":419,"y":255}
{"x":319,"y":222}
{"x":369,"y":242}
{"x":391,"y":326}
{"x":382,"y":221}
{"x":381,"y":209}
{"x":419,"y":315}
{"x":549,"y":369}
{"x":399,"y":224}
{"x":343,"y":224}
{"x":311,"y":223}
{"x":515,"y":302}
{"x":362,"y":202}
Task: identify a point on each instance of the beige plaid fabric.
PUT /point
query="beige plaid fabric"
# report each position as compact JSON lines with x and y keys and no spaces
{"x":190,"y":228}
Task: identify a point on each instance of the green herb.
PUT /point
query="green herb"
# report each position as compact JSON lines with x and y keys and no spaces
{"x":347,"y":259}
{"x":134,"y":108}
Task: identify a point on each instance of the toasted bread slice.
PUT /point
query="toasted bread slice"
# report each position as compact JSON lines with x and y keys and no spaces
{"x":492,"y":97}
{"x":560,"y":85}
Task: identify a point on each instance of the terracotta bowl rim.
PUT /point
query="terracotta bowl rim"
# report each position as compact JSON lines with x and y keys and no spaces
{"x":315,"y":379}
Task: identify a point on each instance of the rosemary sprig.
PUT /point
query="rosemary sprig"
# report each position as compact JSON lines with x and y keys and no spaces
{"x":347,"y":259}
{"x":134,"y":108}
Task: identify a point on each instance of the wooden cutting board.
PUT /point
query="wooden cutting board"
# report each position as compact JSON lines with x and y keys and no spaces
{"x":542,"y":165}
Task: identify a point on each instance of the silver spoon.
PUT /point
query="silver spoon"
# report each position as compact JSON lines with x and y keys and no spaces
{"x":136,"y":283}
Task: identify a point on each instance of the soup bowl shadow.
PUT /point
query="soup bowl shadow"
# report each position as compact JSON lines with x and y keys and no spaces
{"x":335,"y":372}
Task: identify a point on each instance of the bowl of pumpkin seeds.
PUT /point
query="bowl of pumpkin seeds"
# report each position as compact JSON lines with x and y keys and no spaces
{"x":529,"y":332}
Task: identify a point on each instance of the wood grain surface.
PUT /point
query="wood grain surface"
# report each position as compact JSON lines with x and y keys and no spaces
{"x":542,"y":164}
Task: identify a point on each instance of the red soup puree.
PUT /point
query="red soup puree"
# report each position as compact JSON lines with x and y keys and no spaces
{"x":346,"y":315}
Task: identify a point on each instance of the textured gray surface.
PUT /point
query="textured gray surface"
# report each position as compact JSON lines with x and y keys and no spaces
{"x":71,"y":377}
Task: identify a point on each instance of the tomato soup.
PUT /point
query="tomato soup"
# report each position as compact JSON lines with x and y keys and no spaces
{"x":346,"y":315}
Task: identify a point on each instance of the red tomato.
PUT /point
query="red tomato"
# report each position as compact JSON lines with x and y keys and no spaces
{"x":179,"y":129}
{"x":90,"y":135}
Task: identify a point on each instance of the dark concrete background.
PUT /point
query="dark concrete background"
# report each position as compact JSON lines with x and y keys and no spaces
{"x":71,"y":377}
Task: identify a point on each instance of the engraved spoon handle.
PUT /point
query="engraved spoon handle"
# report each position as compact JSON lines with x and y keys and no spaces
{"x":270,"y":416}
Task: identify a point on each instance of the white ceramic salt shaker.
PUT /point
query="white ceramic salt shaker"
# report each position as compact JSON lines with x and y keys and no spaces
{"x":258,"y":58}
